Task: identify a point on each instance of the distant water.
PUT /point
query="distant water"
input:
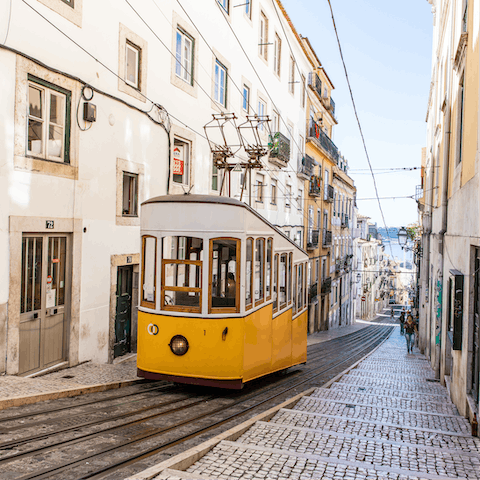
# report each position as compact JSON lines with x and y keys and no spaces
{"x":397,"y":251}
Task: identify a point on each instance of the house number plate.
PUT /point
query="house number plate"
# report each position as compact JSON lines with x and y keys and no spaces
{"x":49,"y":224}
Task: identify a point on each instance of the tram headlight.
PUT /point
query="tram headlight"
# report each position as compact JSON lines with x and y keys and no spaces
{"x":178,"y":345}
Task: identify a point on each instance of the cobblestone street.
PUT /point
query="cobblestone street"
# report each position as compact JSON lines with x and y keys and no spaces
{"x":388,"y":418}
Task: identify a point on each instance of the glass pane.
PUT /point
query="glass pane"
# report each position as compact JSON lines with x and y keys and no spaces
{"x":224,"y":273}
{"x":275,"y":270}
{"x":56,"y":271}
{"x":57,"y":109}
{"x":182,"y":248}
{"x":300,"y":287}
{"x":35,"y":102}
{"x":55,"y":141}
{"x":289,"y":290}
{"x":35,"y":137}
{"x":178,"y":55}
{"x":149,"y":267}
{"x":182,"y":275}
{"x":31,"y":283}
{"x":182,"y":299}
{"x":187,"y":59}
{"x":268,"y":277}
{"x":248,"y":272}
{"x":283,"y":280}
{"x":259,"y":268}
{"x":132,"y":65}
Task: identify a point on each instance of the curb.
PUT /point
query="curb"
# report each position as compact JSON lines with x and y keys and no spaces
{"x":71,"y":392}
{"x":185,"y":459}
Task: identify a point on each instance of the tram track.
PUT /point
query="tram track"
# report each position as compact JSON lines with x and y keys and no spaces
{"x":375,"y":334}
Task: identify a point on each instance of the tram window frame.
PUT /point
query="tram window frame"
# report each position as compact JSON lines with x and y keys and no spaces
{"x":268,"y":269}
{"x":295,"y":286}
{"x":289,"y":273}
{"x":184,"y":261}
{"x":305,"y":284}
{"x":300,"y":289}
{"x":143,"y":302}
{"x":211,"y":308}
{"x":283,"y":305}
{"x":250,"y":241}
{"x":275,"y":283}
{"x":261,"y":298}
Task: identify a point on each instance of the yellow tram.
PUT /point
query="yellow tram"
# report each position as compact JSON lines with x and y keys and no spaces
{"x":223,"y":297}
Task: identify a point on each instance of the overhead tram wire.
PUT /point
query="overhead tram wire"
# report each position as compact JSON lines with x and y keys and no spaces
{"x":358,"y":120}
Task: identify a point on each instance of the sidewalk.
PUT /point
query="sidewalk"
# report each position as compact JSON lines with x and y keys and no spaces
{"x":92,"y":377}
{"x":385,"y":419}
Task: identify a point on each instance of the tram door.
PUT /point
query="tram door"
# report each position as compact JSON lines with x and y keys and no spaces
{"x":123,"y":313}
{"x":44,"y":301}
{"x":476,"y":330}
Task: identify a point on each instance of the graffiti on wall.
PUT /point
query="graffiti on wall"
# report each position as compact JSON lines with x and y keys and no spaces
{"x":438,"y":309}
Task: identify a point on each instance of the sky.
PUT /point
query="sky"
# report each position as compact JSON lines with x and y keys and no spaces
{"x":387,"y":51}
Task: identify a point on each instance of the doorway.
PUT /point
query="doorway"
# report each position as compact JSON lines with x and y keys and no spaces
{"x":123,"y":311}
{"x":44,"y":301}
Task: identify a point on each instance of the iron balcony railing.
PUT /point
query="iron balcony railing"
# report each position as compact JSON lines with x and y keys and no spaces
{"x":312,"y":240}
{"x":279,"y":146}
{"x":315,"y":83}
{"x":328,"y":194}
{"x":313,"y":292}
{"x":418,"y":192}
{"x":315,"y":186}
{"x":326,"y":285}
{"x":327,"y":238}
{"x":321,"y":138}
{"x":306,"y":165}
{"x":345,"y":221}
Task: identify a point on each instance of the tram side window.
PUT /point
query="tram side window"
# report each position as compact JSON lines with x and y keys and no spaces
{"x":249,"y":274}
{"x":149,"y":269}
{"x":283,"y":281}
{"x":259,"y":270}
{"x":290,"y":262}
{"x":182,"y":274}
{"x":275,"y":283}
{"x":224,"y":275}
{"x":295,"y":286}
{"x":300,"y":288}
{"x":305,"y":291}
{"x":268,"y":265}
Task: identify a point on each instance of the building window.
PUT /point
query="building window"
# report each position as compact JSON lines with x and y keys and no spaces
{"x":259,"y":189}
{"x":133,"y":56}
{"x":70,"y":3}
{"x":225,"y":4}
{"x":48,"y":121}
{"x":273,"y":199}
{"x":181,"y":161}
{"x":461,"y":108}
{"x":246,"y":98}
{"x":248,"y":8}
{"x":277,"y":52}
{"x":220,"y":84}
{"x":215,"y":178}
{"x":184,"y":57}
{"x":304,"y":89}
{"x":291,"y":81}
{"x":299,"y":201}
{"x":130,"y":195}
{"x":275,"y":122}
{"x":262,"y":109}
{"x":288,"y":196}
{"x":263,"y":37}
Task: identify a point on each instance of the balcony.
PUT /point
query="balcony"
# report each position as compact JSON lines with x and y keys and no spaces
{"x":313,"y":292}
{"x":315,"y":83}
{"x":327,"y":238}
{"x":329,"y":194}
{"x":312,"y":240}
{"x":279,"y":146}
{"x":345,"y":221}
{"x":323,"y":141}
{"x":315,"y":186}
{"x":326,"y":285}
{"x":306,"y":165}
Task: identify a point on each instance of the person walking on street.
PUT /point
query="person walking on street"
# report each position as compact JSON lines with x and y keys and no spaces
{"x":392,"y":313}
{"x":402,"y":322}
{"x":410,"y":330}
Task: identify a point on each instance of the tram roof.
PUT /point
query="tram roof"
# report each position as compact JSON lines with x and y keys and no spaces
{"x":214,"y":199}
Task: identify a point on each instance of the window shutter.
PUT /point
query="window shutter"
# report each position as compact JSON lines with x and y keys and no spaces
{"x":457,"y":309}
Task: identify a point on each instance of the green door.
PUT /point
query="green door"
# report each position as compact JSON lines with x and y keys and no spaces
{"x":123,"y":314}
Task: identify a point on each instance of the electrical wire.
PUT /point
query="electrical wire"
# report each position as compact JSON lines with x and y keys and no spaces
{"x":356,"y":116}
{"x":8,"y":24}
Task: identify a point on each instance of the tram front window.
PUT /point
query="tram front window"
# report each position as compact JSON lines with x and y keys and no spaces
{"x":182,"y":273}
{"x":224,"y":274}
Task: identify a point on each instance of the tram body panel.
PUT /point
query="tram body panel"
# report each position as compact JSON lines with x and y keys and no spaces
{"x":299,"y":338}
{"x":208,"y":356}
{"x":282,"y":340}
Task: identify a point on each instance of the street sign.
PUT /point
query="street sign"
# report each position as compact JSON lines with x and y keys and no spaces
{"x":363,"y":298}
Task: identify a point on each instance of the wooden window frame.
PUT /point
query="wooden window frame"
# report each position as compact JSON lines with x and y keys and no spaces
{"x":136,"y":85}
{"x":289,"y":274}
{"x":275,"y":277}
{"x":269,"y":297}
{"x":235,"y":309}
{"x":180,"y":308}
{"x":189,"y":73}
{"x":305,"y":284}
{"x":262,"y":297}
{"x":295,"y":287}
{"x":284,"y":305}
{"x":249,"y":306}
{"x":145,"y":303}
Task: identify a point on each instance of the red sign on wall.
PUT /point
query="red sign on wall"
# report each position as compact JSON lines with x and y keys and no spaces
{"x":178,"y":160}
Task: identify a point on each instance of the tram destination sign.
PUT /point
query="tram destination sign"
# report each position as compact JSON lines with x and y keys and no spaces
{"x":49,"y":224}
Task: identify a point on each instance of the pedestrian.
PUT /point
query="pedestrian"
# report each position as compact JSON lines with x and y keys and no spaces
{"x":410,"y":330}
{"x":392,"y":313}
{"x":402,"y":322}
